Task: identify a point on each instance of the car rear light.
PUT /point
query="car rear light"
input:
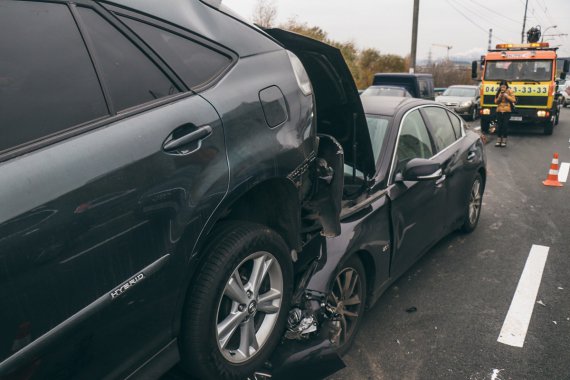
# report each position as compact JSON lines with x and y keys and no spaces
{"x":485,"y":111}
{"x":542,"y":113}
{"x":300,"y":74}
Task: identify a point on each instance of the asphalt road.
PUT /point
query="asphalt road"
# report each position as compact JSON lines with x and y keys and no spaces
{"x":464,"y":286}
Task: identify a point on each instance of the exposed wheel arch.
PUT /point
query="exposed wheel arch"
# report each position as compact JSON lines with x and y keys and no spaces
{"x":285,"y":220}
{"x":370,"y":270}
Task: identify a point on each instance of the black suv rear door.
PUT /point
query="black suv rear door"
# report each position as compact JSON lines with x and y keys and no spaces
{"x":105,"y":164}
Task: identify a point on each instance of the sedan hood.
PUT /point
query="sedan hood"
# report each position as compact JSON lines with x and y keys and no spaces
{"x":339,"y":110}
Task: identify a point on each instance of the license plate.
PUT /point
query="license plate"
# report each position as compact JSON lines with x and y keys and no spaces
{"x":516,"y":118}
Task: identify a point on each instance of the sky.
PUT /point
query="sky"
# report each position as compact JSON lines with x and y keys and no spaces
{"x":462,"y":24}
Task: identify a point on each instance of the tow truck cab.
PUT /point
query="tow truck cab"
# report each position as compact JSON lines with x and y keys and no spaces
{"x":530,"y":69}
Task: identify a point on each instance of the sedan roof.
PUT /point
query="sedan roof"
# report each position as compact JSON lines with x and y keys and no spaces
{"x":389,"y":105}
{"x":463,"y":86}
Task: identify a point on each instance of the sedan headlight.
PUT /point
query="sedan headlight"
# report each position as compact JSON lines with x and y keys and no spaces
{"x":466,"y":104}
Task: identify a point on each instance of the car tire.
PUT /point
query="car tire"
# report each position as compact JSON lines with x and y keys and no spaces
{"x":474,"y":113}
{"x":473,"y":206}
{"x":349,"y":284}
{"x":549,"y":127}
{"x":237,"y":306}
{"x":485,"y":124}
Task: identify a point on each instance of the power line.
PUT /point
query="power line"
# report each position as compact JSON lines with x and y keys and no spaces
{"x":494,"y":12}
{"x":485,"y":18}
{"x":545,"y":11}
{"x":470,"y":20}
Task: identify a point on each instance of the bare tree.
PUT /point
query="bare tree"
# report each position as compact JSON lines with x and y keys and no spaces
{"x":265,"y":13}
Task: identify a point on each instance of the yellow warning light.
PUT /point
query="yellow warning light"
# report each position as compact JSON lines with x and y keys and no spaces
{"x":523,"y":46}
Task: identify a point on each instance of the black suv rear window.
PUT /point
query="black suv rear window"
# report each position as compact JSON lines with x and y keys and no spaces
{"x":194,"y":63}
{"x":131,"y":77}
{"x":47,"y":80}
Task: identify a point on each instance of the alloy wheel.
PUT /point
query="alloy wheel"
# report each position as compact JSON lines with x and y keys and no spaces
{"x":249,"y":307}
{"x":475,"y":200}
{"x":346,"y":297}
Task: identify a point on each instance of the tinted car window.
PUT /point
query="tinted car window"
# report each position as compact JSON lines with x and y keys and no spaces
{"x":131,"y":77}
{"x":414,"y":141}
{"x":456,"y":123}
{"x":47,"y":81}
{"x":424,"y":91}
{"x":442,"y":130}
{"x":195,"y":63}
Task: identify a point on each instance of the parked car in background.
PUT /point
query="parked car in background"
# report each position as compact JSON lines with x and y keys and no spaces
{"x":161,"y":176}
{"x":387,"y":91}
{"x":462,"y":99}
{"x":564,"y":90}
{"x":439,"y":90}
{"x":419,"y":85}
{"x":429,"y":180}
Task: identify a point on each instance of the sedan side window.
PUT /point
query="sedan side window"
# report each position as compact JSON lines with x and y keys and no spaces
{"x":47,"y":81}
{"x":414,"y":140}
{"x":442,"y":129}
{"x":456,"y":123}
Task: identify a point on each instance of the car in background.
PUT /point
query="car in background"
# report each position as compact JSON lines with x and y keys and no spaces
{"x":387,"y":91}
{"x":419,"y":85}
{"x":463,"y":99}
{"x":564,"y":90}
{"x":429,"y":180}
{"x":439,"y":90}
{"x":161,"y":175}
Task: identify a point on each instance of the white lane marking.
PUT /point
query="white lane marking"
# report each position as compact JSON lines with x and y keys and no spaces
{"x":495,"y":374}
{"x":516,"y":322}
{"x":563,"y":172}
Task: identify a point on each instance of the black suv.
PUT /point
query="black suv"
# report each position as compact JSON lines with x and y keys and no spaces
{"x":161,"y":171}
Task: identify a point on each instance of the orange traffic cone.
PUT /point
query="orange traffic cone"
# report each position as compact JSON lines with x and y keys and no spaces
{"x":552,"y":179}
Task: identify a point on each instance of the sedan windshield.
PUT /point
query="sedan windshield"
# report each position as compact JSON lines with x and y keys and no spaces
{"x":377,"y":126}
{"x":385,"y":91}
{"x":533,"y":70}
{"x":462,"y":92}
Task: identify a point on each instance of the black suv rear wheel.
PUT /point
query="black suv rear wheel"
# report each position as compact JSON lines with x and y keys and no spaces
{"x":236,"y":309}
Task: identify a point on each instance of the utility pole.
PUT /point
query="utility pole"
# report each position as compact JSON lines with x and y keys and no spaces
{"x":490,"y":38}
{"x":524,"y":22}
{"x":415,"y":36}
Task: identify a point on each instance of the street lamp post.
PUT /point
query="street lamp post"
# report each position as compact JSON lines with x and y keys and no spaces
{"x":544,"y":31}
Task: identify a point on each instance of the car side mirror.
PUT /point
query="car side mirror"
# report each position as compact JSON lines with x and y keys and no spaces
{"x":474,"y":70}
{"x":420,"y":169}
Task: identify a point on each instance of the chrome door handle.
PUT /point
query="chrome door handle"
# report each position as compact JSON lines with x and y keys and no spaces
{"x":471,"y":155}
{"x":188,"y":138}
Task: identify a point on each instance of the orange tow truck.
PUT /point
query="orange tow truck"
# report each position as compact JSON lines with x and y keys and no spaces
{"x":530,"y":69}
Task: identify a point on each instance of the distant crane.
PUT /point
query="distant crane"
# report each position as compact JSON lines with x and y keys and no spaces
{"x":444,"y":46}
